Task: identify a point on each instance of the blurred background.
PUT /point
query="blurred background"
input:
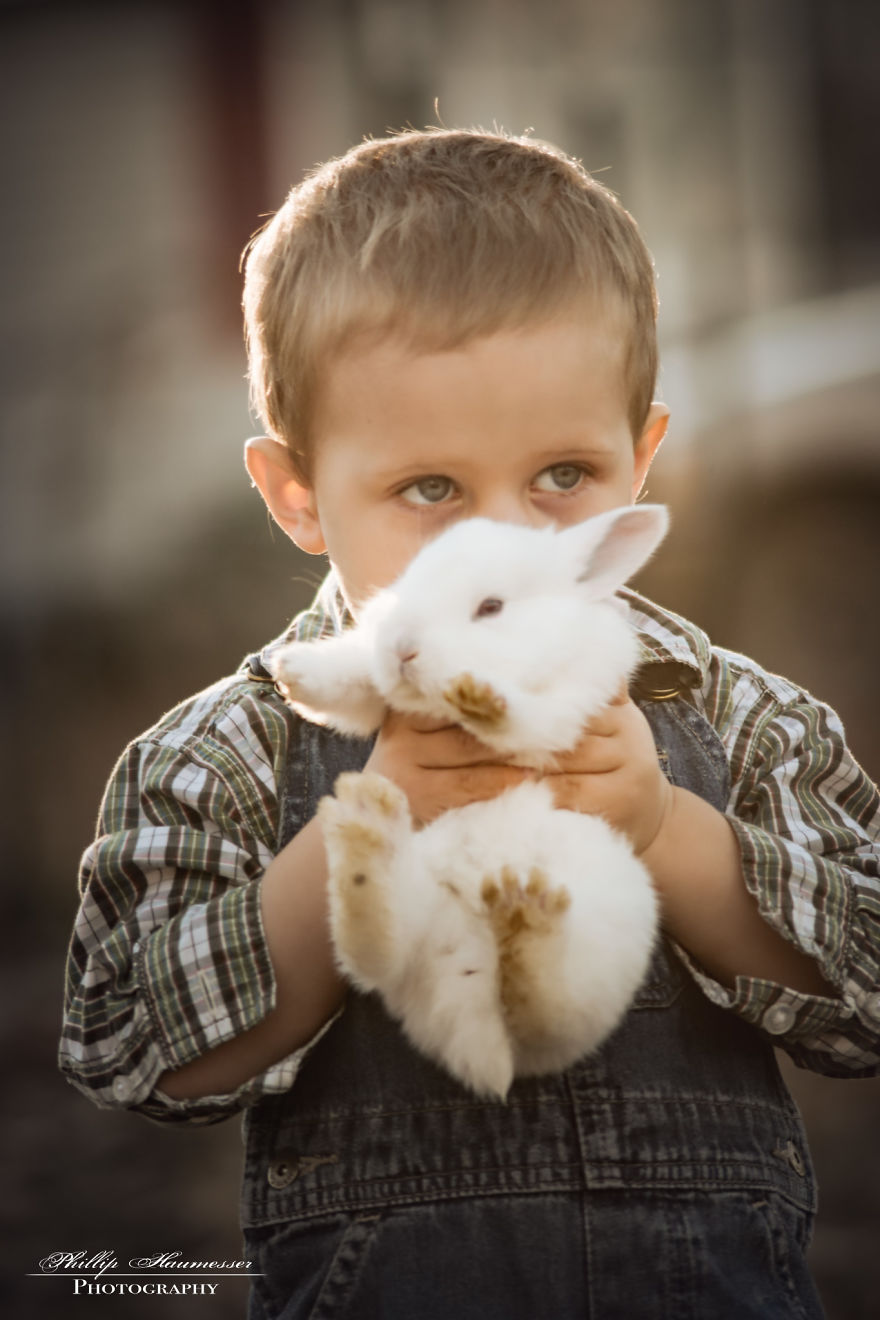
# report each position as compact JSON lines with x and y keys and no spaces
{"x":142,"y":142}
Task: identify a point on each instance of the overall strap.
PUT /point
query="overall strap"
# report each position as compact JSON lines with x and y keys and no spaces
{"x":689,"y":749}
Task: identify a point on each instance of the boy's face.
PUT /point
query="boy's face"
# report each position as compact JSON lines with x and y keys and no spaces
{"x":527,"y":426}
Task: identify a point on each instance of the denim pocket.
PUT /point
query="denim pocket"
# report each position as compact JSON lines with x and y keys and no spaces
{"x":309,"y":1271}
{"x":788,"y":1236}
{"x":699,"y":1256}
{"x":493,"y":1258}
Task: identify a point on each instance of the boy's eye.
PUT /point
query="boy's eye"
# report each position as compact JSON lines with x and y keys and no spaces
{"x":562,"y":476}
{"x":429,"y":490}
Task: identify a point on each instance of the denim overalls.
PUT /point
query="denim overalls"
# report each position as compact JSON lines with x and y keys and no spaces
{"x":665,"y":1178}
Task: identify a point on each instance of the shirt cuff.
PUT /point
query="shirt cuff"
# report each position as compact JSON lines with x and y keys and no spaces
{"x":787,"y":1016}
{"x":207,"y":1109}
{"x":788,"y":886}
{"x":206,"y":977}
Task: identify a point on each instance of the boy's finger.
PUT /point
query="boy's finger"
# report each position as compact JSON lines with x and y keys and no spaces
{"x":608,"y":719}
{"x":425,"y":724}
{"x":450,"y":740}
{"x":604,"y":724}
{"x":422,"y":723}
{"x":394,"y":720}
{"x":478,"y":783}
{"x":453,"y":756}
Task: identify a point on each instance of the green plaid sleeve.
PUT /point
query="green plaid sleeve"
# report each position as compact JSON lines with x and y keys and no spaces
{"x":807,"y":819}
{"x":168,"y":956}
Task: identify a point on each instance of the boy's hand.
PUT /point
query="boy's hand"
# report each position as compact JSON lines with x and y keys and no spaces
{"x":613,"y":772}
{"x":439,"y":766}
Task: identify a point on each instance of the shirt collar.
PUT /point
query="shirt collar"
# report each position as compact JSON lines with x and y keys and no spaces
{"x":666,"y":638}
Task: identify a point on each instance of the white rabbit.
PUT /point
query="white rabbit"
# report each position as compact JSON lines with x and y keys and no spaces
{"x":508,"y":937}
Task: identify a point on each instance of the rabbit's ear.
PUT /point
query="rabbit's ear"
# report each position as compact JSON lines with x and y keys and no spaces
{"x":614,"y":545}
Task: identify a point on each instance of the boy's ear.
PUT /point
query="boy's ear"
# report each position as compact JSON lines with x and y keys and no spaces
{"x":648,"y":443}
{"x":290,"y":503}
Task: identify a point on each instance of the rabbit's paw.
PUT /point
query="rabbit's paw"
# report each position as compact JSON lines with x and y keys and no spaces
{"x":295,"y":668}
{"x":476,"y":702}
{"x":369,"y":795}
{"x":514,"y":907}
{"x":526,"y":919}
{"x":362,"y":827}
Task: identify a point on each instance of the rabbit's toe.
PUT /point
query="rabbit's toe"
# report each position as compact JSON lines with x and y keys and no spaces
{"x":362,"y":826}
{"x":372,"y":795}
{"x":535,"y":906}
{"x":476,"y":702}
{"x":527,"y":919}
{"x":343,"y":826}
{"x":552,"y":900}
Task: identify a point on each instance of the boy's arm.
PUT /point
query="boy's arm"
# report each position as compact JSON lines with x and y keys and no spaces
{"x":169,"y":957}
{"x":776,"y":904}
{"x":688,"y":846}
{"x":707,"y":907}
{"x":308,"y":988}
{"x":807,"y":823}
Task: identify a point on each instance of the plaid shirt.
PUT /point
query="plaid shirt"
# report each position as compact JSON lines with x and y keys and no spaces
{"x":168,"y":956}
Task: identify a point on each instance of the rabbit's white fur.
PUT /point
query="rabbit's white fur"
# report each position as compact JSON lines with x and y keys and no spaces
{"x":508,"y":937}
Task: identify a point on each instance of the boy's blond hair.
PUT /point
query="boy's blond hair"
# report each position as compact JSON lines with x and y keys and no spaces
{"x":438,"y":237}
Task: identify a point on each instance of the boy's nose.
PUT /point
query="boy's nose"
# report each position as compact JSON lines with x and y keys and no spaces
{"x":509,"y":509}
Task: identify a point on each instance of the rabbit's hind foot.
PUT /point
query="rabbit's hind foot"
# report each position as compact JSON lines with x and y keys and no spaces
{"x":362,"y":826}
{"x":527,"y":920}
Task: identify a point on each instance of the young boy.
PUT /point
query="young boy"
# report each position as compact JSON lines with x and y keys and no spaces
{"x":443,"y":325}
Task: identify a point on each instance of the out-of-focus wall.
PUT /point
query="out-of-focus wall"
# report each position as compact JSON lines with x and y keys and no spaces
{"x":141,"y":144}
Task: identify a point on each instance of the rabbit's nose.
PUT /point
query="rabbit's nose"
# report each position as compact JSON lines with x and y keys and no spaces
{"x":406,"y":652}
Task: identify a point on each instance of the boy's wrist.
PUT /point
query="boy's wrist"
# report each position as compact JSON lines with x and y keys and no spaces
{"x":697,"y":870}
{"x":655,"y":841}
{"x":692,"y":840}
{"x":692,"y":854}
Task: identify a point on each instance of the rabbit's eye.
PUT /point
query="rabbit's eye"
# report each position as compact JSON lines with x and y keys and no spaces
{"x":491,"y":605}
